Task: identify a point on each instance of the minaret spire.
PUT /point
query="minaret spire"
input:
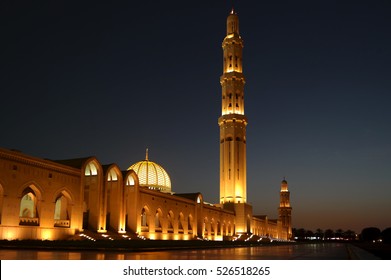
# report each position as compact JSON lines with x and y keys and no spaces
{"x":232,"y":122}
{"x":232,"y":9}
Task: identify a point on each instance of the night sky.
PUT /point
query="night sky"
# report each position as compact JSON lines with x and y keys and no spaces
{"x":110,"y":80}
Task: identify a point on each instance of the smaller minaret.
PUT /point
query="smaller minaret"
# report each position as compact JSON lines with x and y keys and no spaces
{"x":285,"y":209}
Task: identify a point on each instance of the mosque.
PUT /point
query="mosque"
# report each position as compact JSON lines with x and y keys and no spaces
{"x":58,"y":199}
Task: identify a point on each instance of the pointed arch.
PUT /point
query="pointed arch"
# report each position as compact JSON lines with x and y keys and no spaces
{"x":93,"y":195}
{"x":60,"y":212}
{"x":158,"y":220}
{"x":131,"y":178}
{"x":212,"y":226}
{"x":190,"y":222}
{"x":63,"y":208}
{"x":129,"y":183}
{"x":144,"y":219}
{"x":224,"y":228}
{"x":218,"y":228}
{"x":64,"y":192}
{"x":29,"y":205}
{"x":114,"y":198}
{"x":91,"y":169}
{"x":170,"y":221}
{"x":205,"y":227}
{"x":181,"y":221}
{"x":38,"y":191}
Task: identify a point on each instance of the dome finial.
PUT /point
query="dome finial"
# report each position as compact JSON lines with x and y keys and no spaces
{"x":146,"y":154}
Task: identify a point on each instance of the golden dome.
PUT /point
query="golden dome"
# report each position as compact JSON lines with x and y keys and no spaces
{"x":152,"y":175}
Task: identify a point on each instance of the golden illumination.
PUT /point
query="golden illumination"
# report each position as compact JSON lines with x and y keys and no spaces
{"x":79,"y":194}
{"x":112,"y":176}
{"x":121,"y":227}
{"x":240,"y":229}
{"x":130,"y":181}
{"x":10,"y":235}
{"x":152,"y":175}
{"x":91,"y":170}
{"x":47,"y":234}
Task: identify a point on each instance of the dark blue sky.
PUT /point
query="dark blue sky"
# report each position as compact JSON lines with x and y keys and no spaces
{"x":109,"y":80}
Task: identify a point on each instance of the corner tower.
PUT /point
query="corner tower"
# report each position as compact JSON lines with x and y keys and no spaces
{"x":285,"y":209}
{"x":232,"y":122}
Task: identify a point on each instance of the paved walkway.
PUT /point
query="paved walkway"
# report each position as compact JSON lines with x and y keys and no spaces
{"x":357,"y":253}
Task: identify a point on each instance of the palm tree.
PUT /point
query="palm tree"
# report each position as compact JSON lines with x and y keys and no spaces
{"x":299,"y":233}
{"x":328,"y":234}
{"x":370,"y":234}
{"x":319,"y":234}
{"x":309,"y":234}
{"x":349,"y":234}
{"x":338,"y":233}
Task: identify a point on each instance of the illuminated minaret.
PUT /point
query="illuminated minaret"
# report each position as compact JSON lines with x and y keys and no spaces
{"x":232,"y":122}
{"x":285,"y":209}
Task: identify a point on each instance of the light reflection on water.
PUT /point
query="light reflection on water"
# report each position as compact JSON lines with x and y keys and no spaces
{"x":295,"y":251}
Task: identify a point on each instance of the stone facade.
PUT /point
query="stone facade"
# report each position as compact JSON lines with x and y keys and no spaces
{"x":45,"y":199}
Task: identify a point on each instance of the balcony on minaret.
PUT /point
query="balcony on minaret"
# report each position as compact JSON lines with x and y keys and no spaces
{"x":233,"y":122}
{"x":232,"y":55}
{"x":285,"y":204}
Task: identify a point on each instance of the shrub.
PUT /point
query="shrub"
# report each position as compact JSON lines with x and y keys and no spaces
{"x":386,"y":235}
{"x":370,"y":234}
